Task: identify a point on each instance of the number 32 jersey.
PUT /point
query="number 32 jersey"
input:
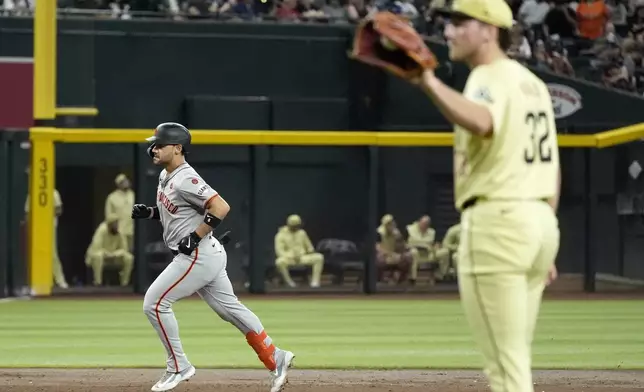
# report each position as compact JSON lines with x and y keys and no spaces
{"x":520,"y":159}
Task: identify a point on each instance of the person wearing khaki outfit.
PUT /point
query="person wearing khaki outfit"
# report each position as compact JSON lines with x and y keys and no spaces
{"x":422,"y":239}
{"x":393,"y":256}
{"x":293,"y":247}
{"x":450,"y":242}
{"x":109,"y":246}
{"x":57,"y":266}
{"x":119,"y":203}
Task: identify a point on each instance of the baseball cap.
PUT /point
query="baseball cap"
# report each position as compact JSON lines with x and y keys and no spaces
{"x":293,"y":220}
{"x":493,"y":12}
{"x":120,"y":178}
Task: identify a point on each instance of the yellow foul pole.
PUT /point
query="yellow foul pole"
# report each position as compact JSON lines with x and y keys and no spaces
{"x":42,"y":173}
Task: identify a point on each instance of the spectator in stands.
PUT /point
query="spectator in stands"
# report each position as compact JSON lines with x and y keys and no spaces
{"x":214,"y":7}
{"x":631,"y":6}
{"x":637,"y":16}
{"x":560,"y":21}
{"x":109,"y":247}
{"x":434,"y":21}
{"x":172,"y":7}
{"x":638,"y":34}
{"x":632,"y":52}
{"x":541,"y":57}
{"x":293,"y":247}
{"x":235,"y":9}
{"x":223,"y":8}
{"x":559,"y":62}
{"x":125,"y":9}
{"x":618,"y":16}
{"x":616,"y":76}
{"x":242,"y":9}
{"x":197,"y":8}
{"x":606,"y":50}
{"x":334,"y":10}
{"x":393,"y":258}
{"x":358,"y":10}
{"x":287,"y":11}
{"x":19,"y":7}
{"x":608,"y":32}
{"x":592,"y":16}
{"x":309,"y":10}
{"x":520,"y":47}
{"x":532,"y":15}
{"x":120,"y":9}
{"x":405,"y":8}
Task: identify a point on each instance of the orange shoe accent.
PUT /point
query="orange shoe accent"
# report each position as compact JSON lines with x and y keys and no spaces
{"x":264,"y":352}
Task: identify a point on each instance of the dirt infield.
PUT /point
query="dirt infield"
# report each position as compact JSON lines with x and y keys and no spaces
{"x":139,"y":380}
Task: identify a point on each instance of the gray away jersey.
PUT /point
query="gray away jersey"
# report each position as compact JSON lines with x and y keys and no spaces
{"x":181,"y":199}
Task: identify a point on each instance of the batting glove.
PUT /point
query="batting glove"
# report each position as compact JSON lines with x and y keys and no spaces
{"x":141,"y":211}
{"x":189,"y":243}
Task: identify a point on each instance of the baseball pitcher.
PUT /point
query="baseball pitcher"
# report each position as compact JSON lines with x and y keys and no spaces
{"x":189,"y":211}
{"x":507,"y":177}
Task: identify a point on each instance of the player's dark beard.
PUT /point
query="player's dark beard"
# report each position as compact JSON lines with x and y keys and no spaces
{"x":159,"y":160}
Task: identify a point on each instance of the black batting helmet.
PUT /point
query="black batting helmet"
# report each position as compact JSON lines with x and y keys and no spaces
{"x":169,"y":133}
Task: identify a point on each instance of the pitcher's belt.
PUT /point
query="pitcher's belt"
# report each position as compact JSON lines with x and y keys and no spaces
{"x":475,"y":199}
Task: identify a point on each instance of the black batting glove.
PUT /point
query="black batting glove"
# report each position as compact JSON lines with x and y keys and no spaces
{"x":189,"y":243}
{"x":141,"y":211}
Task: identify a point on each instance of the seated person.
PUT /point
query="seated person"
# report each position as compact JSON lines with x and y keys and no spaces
{"x":392,"y":255}
{"x":421,"y":239}
{"x":293,"y":247}
{"x":450,"y":242}
{"x":109,"y":247}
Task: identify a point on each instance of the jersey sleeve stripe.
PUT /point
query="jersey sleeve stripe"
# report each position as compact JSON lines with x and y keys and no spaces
{"x":205,"y":205}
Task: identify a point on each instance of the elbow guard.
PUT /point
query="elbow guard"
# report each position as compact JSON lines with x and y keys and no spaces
{"x":211,"y":220}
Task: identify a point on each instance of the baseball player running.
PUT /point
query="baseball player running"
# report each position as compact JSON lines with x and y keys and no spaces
{"x":189,"y":211}
{"x":507,"y":181}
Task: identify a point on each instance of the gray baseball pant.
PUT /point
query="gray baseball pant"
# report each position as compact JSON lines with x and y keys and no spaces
{"x":203,"y":272}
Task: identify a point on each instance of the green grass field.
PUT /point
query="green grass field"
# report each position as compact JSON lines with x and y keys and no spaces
{"x":323,"y":333}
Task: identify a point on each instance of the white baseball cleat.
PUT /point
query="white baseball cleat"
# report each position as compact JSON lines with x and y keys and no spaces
{"x":170,"y":380}
{"x":279,"y":377}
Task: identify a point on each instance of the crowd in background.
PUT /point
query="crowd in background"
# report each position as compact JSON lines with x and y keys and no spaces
{"x":597,"y":40}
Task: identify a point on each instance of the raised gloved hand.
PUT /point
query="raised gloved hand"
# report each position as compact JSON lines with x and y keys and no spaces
{"x":189,"y":243}
{"x":141,"y":211}
{"x":390,"y":42}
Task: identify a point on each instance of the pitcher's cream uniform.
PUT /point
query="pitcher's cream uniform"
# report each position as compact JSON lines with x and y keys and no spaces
{"x":450,"y":242}
{"x":510,"y":235}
